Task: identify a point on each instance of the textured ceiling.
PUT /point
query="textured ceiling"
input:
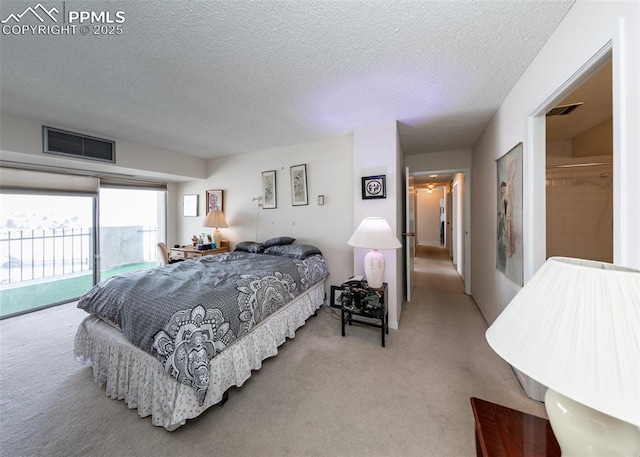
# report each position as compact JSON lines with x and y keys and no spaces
{"x":218,"y":78}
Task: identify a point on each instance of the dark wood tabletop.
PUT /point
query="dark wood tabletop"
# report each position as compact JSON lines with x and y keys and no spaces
{"x":506,"y":432}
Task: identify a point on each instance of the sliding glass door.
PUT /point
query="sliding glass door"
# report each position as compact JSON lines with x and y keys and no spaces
{"x":132,"y":221}
{"x":46,"y":249}
{"x":55,"y":244}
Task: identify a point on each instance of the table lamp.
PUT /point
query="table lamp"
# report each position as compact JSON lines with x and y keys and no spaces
{"x":215,"y":218}
{"x":374,"y":233}
{"x":575,"y":328}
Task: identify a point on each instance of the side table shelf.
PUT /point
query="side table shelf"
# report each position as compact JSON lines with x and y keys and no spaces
{"x":361,"y":300}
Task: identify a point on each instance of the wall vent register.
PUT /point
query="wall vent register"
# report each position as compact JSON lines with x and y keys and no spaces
{"x":60,"y":142}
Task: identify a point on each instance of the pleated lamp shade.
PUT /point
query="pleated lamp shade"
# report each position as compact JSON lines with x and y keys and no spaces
{"x":374,"y":233}
{"x":575,"y":328}
{"x":216,"y":219}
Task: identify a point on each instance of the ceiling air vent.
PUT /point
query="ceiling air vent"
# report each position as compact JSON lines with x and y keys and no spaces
{"x":563,"y":109}
{"x":59,"y":142}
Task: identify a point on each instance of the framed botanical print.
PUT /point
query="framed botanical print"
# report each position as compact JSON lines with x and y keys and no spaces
{"x":299,"y":185}
{"x":374,"y":187}
{"x":214,"y":200}
{"x":269,"y":196}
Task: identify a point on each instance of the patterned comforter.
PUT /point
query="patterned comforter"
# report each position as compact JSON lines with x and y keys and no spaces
{"x":186,"y":313}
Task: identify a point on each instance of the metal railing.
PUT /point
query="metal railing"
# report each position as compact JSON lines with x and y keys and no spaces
{"x":27,"y":254}
{"x":34,"y":254}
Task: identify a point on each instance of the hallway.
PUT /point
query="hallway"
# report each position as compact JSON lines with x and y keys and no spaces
{"x":447,"y":331}
{"x":434,"y":270}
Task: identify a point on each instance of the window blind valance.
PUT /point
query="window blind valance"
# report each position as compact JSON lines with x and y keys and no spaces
{"x":14,"y":179}
{"x":114,"y":183}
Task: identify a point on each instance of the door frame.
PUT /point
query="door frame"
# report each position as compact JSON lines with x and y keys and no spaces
{"x":534,"y":178}
{"x":467,"y":220}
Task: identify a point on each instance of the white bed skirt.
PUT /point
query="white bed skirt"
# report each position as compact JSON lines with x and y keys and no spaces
{"x":140,"y":380}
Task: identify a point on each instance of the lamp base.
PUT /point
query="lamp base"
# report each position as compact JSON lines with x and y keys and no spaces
{"x":217,"y":237}
{"x":374,"y":268}
{"x":582,"y":431}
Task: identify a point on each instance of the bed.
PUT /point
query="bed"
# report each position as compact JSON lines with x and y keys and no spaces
{"x":171,"y":340}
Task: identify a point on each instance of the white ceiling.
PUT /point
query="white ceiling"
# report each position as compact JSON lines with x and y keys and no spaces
{"x":219,"y":78}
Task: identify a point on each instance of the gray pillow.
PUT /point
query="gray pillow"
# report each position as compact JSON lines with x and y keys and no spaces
{"x":278,"y":241}
{"x":249,"y":246}
{"x":295,"y":251}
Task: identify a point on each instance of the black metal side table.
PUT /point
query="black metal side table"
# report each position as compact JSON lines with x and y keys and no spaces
{"x":358,"y":299}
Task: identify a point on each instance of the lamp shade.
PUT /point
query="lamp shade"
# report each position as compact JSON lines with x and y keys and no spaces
{"x":215,"y":218}
{"x":374,"y":233}
{"x":575,"y":328}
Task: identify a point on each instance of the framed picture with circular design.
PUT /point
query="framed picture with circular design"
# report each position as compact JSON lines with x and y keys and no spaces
{"x":373,"y":187}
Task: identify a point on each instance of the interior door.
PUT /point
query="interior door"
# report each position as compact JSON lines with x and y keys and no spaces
{"x":410,"y":232}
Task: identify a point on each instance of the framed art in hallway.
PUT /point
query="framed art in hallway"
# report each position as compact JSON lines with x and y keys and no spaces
{"x":269,"y":198}
{"x":509,"y":255}
{"x":299,"y":185}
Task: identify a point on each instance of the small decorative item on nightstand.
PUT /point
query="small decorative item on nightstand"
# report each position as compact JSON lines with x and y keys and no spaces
{"x":358,"y":299}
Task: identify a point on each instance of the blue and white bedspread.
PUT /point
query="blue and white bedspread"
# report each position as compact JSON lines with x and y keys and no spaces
{"x":188,"y":312}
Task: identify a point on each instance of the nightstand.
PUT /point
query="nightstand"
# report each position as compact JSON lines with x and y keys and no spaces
{"x":358,"y":299}
{"x":189,"y":252}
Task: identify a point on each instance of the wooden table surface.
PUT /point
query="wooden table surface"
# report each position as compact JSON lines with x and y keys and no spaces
{"x":506,"y":432}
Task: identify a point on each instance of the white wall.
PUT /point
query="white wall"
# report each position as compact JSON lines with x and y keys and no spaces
{"x":428,"y":216}
{"x":329,"y":173}
{"x":376,"y":151}
{"x":21,"y":140}
{"x":587,"y":28}
{"x":439,"y":161}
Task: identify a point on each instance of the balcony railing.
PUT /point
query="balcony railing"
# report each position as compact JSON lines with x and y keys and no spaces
{"x":35,"y":254}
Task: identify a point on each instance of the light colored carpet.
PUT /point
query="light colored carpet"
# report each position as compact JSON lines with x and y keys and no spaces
{"x":323,"y":395}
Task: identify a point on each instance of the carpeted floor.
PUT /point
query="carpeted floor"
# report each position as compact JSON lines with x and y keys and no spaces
{"x":323,"y":395}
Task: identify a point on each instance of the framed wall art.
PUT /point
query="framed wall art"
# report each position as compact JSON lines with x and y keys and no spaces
{"x":190,"y":205}
{"x":374,"y":187}
{"x":269,"y":198}
{"x":336,"y":297}
{"x":509,"y":246}
{"x":214,"y":200}
{"x":299,"y":185}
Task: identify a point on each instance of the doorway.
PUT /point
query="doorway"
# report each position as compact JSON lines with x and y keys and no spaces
{"x":446,"y":210}
{"x":579,"y":171}
{"x":535,"y":221}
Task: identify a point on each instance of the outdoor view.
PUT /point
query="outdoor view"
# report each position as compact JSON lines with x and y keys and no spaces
{"x":47,"y":243}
